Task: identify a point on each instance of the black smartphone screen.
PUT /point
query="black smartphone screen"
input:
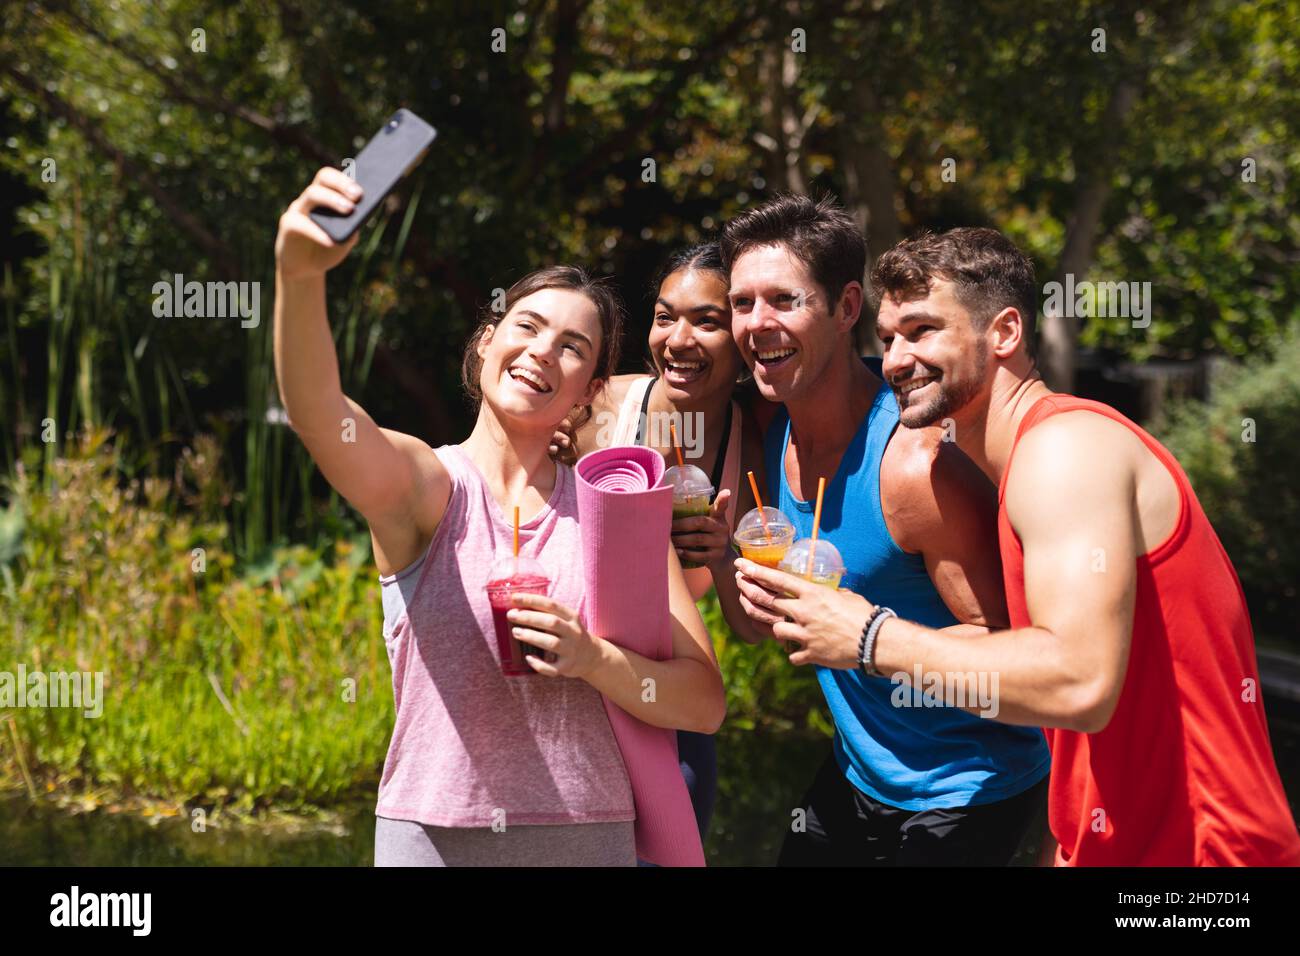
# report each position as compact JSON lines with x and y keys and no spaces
{"x":391,"y":154}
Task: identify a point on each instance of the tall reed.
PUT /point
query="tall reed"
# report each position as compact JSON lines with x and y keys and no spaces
{"x":91,"y":341}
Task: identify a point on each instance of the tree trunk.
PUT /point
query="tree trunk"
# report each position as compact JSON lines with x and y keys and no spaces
{"x":781,"y":127}
{"x":1059,"y":335}
{"x":869,"y":189}
{"x":792,"y":127}
{"x":563,"y":55}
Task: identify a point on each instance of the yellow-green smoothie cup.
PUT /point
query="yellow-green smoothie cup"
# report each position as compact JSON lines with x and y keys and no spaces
{"x":692,"y":495}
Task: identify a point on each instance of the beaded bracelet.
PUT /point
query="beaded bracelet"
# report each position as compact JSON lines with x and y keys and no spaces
{"x":867,"y":643}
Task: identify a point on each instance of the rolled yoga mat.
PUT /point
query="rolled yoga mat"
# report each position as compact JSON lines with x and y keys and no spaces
{"x":625,"y":516}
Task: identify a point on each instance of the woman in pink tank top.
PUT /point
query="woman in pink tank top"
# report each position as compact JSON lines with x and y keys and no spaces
{"x":695,"y":368}
{"x":485,"y":768}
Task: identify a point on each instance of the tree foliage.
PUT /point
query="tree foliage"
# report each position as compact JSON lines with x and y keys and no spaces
{"x":1124,"y":164}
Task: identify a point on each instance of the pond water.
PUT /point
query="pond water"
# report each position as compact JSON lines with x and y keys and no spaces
{"x":761,"y":777}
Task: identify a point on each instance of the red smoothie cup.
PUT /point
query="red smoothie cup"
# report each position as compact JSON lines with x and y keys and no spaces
{"x":511,"y":575}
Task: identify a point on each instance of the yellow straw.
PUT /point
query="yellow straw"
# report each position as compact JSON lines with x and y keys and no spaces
{"x":516,"y":531}
{"x":817,"y":520}
{"x":753,"y":486}
{"x":672,"y":429}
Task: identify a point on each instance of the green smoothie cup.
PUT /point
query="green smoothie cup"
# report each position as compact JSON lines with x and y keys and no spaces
{"x":692,"y":495}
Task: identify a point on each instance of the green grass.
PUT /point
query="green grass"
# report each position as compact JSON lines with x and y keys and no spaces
{"x":98,"y":578}
{"x":104,"y":582}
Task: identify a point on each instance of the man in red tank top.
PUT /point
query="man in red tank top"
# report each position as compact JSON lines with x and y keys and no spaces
{"x":1130,"y":640}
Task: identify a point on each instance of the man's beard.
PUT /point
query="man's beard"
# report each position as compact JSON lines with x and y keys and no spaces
{"x":950,"y":398}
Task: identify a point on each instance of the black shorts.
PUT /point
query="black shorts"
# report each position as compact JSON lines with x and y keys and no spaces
{"x":842,"y":826}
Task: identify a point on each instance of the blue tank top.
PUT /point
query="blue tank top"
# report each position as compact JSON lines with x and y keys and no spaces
{"x":916,"y":757}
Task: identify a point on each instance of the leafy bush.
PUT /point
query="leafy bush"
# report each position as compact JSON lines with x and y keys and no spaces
{"x":1241,"y":450}
{"x":763,"y":689}
{"x":224,"y":687}
{"x":219,"y":689}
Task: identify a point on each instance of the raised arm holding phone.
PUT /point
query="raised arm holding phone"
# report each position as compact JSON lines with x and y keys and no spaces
{"x":485,"y":767}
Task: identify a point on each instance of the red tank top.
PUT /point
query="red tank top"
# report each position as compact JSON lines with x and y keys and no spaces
{"x":1183,"y":775}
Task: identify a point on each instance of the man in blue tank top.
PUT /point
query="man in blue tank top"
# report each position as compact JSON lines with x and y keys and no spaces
{"x":910,"y":779}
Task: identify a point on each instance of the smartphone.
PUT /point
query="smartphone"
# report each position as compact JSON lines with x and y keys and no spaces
{"x":392,"y":153}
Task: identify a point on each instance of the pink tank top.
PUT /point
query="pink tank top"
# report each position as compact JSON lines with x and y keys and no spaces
{"x":470,"y":746}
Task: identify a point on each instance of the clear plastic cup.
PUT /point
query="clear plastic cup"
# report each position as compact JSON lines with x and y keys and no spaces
{"x":826,"y":564}
{"x":514,"y":574}
{"x":692,"y":495}
{"x":764,"y":546}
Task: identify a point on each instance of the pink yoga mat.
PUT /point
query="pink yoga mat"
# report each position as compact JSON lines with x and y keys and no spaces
{"x":625,"y":514}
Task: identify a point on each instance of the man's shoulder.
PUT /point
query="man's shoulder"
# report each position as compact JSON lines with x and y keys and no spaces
{"x":920,"y":463}
{"x":1074,"y":435}
{"x":911,"y":454}
{"x":1059,"y":414}
{"x":1069,"y":453}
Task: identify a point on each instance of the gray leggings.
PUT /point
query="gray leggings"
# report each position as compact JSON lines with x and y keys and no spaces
{"x":407,"y":843}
